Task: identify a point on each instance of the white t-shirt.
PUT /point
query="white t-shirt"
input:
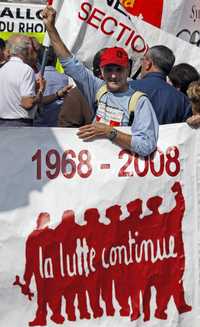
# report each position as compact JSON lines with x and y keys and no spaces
{"x":17,"y":79}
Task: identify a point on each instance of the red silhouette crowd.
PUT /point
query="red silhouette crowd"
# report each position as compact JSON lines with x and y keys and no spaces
{"x":121,"y":280}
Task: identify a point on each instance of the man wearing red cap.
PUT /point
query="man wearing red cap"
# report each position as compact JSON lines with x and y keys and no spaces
{"x":113,"y":105}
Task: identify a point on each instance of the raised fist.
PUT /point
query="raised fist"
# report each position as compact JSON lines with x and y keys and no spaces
{"x":176,"y":188}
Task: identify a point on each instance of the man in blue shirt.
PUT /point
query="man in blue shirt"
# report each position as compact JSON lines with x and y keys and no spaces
{"x":114,"y":103}
{"x":170,"y":105}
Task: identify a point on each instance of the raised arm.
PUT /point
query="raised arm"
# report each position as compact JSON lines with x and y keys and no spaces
{"x":180,"y":201}
{"x":49,"y":15}
{"x":84,"y":78}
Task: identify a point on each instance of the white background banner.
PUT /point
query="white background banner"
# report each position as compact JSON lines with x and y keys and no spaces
{"x":21,"y":18}
{"x":52,"y":171}
{"x":181,"y":18}
{"x":82,"y":22}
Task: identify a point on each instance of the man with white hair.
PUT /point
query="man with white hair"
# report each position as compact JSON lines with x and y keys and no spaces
{"x":18,"y":97}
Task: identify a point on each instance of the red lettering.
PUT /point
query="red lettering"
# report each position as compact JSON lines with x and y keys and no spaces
{"x":53,"y":164}
{"x":38,"y":158}
{"x":110,"y":26}
{"x":93,"y":17}
{"x":139,"y":171}
{"x":135,"y":44}
{"x":155,"y":164}
{"x":84,"y":167}
{"x":147,"y":48}
{"x":86,"y":10}
{"x":123,"y":171}
{"x":124,"y":28}
{"x":104,"y":23}
{"x":68,"y":165}
{"x":172,"y":163}
{"x":160,"y":171}
{"x":71,"y":164}
{"x":129,"y":38}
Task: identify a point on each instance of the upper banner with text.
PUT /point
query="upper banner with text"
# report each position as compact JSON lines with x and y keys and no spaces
{"x":134,"y":25}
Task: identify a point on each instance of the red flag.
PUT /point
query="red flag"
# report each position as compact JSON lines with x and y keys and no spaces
{"x":151,"y":11}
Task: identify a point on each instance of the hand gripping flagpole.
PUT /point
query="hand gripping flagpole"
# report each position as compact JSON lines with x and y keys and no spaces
{"x":56,"y":4}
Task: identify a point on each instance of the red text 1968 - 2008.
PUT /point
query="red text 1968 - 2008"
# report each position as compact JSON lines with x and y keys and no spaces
{"x":71,"y":164}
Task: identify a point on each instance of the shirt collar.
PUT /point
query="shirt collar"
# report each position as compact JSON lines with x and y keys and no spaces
{"x":155,"y":74}
{"x":14,"y":58}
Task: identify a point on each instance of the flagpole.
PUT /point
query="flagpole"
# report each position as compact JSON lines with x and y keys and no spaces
{"x":56,"y":5}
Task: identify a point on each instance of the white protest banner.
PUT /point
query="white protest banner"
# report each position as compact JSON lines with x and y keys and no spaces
{"x":95,"y":236}
{"x":161,"y":13}
{"x":81,"y":23}
{"x":21,"y":18}
{"x":180,"y":17}
{"x":184,"y":52}
{"x":175,"y":18}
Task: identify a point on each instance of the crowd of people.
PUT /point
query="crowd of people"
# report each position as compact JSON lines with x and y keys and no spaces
{"x":96,"y":101}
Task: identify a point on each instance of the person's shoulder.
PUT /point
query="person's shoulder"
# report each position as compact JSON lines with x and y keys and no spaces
{"x":32,"y":236}
{"x":26,"y":69}
{"x":142,"y":85}
{"x":142,"y":98}
{"x":136,"y":82}
{"x":16,"y":61}
{"x":176,"y":93}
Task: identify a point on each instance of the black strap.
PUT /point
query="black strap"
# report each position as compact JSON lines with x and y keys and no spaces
{"x":24,"y":120}
{"x":131,"y":118}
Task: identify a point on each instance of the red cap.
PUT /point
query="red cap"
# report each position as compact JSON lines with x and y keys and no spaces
{"x":115,"y":56}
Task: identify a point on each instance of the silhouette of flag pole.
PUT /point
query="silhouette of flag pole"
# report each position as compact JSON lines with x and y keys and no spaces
{"x":56,"y":4}
{"x":137,"y":73}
